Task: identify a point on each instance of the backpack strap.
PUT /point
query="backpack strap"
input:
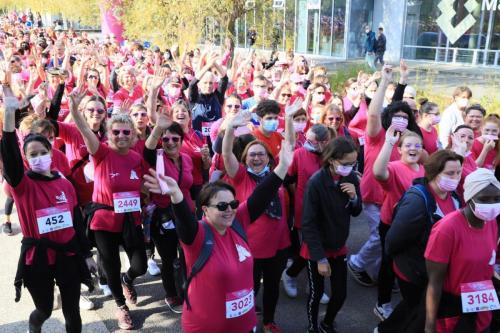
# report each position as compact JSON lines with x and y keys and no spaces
{"x":427,"y":198}
{"x":238,"y":228}
{"x":205,"y":253}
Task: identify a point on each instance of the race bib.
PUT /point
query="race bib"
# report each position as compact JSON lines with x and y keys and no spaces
{"x":205,"y":128}
{"x":479,"y":296}
{"x":53,"y":218}
{"x":239,"y":302}
{"x":126,"y":202}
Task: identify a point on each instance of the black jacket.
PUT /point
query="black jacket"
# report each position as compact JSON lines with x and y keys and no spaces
{"x":411,"y":226}
{"x":327,"y":212}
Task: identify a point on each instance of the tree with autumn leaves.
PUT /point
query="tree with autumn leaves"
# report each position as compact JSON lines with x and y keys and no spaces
{"x":162,"y":22}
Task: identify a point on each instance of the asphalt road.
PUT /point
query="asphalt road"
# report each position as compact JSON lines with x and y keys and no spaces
{"x":151,"y":315}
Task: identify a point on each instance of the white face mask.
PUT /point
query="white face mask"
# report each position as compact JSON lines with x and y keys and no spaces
{"x":490,"y":137}
{"x":486,"y":212}
{"x":318,"y":98}
{"x":41,"y":163}
{"x":343,"y":170}
{"x":462,"y":103}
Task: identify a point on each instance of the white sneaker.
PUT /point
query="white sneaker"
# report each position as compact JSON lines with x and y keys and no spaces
{"x":57,"y":299}
{"x":289,"y":284}
{"x":86,"y":303}
{"x":384,"y":311}
{"x":324,"y":299}
{"x":153,"y":268}
{"x":105,"y":290}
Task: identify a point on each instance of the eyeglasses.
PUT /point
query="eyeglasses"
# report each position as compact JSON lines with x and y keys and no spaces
{"x":125,"y":132}
{"x":233,"y":106}
{"x":99,"y":111}
{"x":334,"y":118}
{"x":92,"y":77}
{"x":139,"y":114}
{"x":175,"y":139}
{"x":257,"y":154}
{"x":286,"y":95}
{"x":222,"y":206}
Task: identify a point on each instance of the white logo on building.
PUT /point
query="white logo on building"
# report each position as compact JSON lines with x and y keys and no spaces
{"x":448,"y":13}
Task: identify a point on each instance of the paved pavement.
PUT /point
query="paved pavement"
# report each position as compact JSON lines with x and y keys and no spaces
{"x":150,"y":314}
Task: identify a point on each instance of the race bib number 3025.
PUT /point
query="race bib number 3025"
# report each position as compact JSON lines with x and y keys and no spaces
{"x":53,"y":218}
{"x":479,"y":296}
{"x":126,"y":202}
{"x":239,"y":302}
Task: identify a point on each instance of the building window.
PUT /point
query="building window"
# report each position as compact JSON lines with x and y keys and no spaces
{"x":361,"y":15}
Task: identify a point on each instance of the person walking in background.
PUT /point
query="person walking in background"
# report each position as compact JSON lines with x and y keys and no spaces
{"x":380,"y":45}
{"x":370,"y":47}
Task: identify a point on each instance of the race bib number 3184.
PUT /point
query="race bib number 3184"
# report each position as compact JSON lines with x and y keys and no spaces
{"x":479,"y":296}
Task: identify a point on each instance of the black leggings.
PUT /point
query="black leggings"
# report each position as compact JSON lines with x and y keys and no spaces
{"x":41,"y":287}
{"x":166,"y":243}
{"x":386,"y":274}
{"x":270,"y":270}
{"x":338,"y":282}
{"x":9,"y":206}
{"x":298,"y":263}
{"x":108,"y":246}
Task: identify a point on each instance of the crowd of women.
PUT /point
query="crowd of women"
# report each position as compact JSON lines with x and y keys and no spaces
{"x":240,"y":171}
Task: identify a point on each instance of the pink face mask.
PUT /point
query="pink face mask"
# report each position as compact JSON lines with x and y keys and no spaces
{"x":435,"y":120}
{"x":343,"y":170}
{"x":399,"y":123}
{"x":486,"y":212}
{"x":41,"y":163}
{"x":447,"y":184}
{"x":299,"y":126}
{"x":489,"y":137}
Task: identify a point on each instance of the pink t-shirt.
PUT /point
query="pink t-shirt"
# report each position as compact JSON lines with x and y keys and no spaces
{"x":470,"y":255}
{"x":266,"y":235}
{"x":371,"y":190}
{"x":115,"y":173}
{"x":191,"y":145}
{"x":123,"y":94}
{"x":228,"y":272}
{"x":304,"y":165}
{"x":400,"y":179}
{"x":430,"y":140}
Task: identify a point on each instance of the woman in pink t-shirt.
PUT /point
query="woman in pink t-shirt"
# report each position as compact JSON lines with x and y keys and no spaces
{"x":460,"y":258}
{"x":486,"y":148}
{"x":395,"y":177}
{"x":429,"y":118}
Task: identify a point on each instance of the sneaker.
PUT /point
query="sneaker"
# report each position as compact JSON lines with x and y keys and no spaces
{"x":86,"y":303}
{"x":7,"y":228}
{"x":361,"y":277}
{"x":325,"y":328}
{"x":174,"y":304}
{"x":383,"y":311}
{"x":123,"y":317}
{"x":153,"y":268}
{"x":105,"y":290}
{"x":324,"y":299}
{"x":289,"y":284}
{"x":129,"y":291}
{"x":57,"y":299}
{"x":271,"y":328}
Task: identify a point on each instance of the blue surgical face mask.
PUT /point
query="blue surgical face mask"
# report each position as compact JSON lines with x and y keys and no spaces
{"x":259,"y":174}
{"x":270,"y":125}
{"x":310,"y":147}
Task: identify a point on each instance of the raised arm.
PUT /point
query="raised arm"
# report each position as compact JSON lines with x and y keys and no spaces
{"x":90,"y":139}
{"x":380,"y":168}
{"x":55,"y":103}
{"x":231,"y":163}
{"x":290,"y":111}
{"x":374,"y":121}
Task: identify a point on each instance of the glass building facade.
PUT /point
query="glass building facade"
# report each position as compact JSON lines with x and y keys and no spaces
{"x":335,"y":28}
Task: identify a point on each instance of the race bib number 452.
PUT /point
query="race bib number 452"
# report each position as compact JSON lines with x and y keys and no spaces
{"x":238,"y":303}
{"x":53,"y":218}
{"x":126,"y":202}
{"x":479,"y":296}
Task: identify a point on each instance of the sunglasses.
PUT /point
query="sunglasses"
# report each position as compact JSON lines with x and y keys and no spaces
{"x":235,"y":106}
{"x":256,"y":154}
{"x":139,"y":114}
{"x":286,"y":95}
{"x":92,"y":77}
{"x":117,"y":132}
{"x":175,"y":139}
{"x":222,"y":206}
{"x":335,"y":118}
{"x":99,"y":111}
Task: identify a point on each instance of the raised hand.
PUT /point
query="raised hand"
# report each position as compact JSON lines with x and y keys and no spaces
{"x":286,"y":154}
{"x":125,"y":106}
{"x":159,"y":77}
{"x":291,"y":109}
{"x":404,"y":71}
{"x":76,"y":97}
{"x":241,"y":119}
{"x":387,"y":73}
{"x":392,"y":136}
{"x":164,"y":121}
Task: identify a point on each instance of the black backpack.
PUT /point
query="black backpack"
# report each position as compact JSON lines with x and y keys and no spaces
{"x":180,"y":271}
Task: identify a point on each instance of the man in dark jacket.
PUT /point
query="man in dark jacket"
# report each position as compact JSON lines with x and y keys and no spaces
{"x":380,"y":45}
{"x":370,"y":47}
